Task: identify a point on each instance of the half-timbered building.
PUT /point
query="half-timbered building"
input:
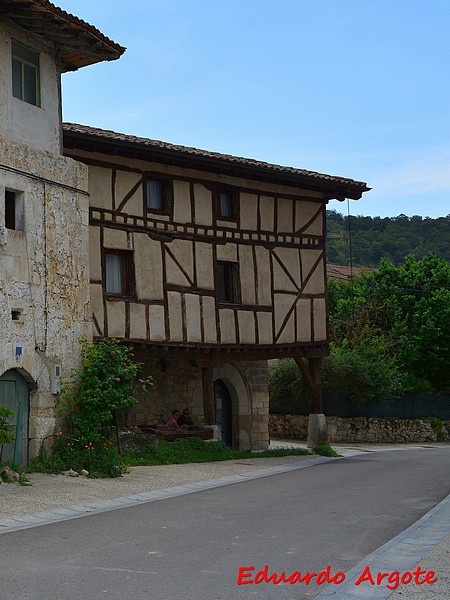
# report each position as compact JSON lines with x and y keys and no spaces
{"x":208,"y":265}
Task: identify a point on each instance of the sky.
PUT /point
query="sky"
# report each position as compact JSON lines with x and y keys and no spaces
{"x":355,"y":88}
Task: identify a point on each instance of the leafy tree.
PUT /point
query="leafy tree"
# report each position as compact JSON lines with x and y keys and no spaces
{"x":374,"y":238}
{"x":408,"y":307}
{"x":359,"y":374}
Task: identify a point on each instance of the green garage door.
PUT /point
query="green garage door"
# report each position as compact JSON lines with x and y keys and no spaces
{"x":14,"y":393}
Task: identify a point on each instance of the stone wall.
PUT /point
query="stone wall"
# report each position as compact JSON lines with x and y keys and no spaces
{"x":356,"y":430}
{"x":178,"y":384}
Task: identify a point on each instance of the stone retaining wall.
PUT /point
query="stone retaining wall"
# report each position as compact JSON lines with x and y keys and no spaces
{"x":357,"y":429}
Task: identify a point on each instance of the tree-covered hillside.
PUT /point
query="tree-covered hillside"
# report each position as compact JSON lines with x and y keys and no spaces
{"x":393,"y":238}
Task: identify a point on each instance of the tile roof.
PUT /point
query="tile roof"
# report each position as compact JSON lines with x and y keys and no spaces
{"x":81,"y":43}
{"x":345,"y":271}
{"x":152,"y":148}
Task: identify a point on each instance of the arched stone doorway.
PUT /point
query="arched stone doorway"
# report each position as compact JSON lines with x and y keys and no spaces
{"x":15,"y":394}
{"x":224,"y":411}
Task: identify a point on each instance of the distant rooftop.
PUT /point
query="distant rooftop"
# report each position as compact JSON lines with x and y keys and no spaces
{"x":80,"y":44}
{"x":345,"y":271}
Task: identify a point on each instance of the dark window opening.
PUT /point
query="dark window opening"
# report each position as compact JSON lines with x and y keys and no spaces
{"x":157,"y":193}
{"x":119,"y":280}
{"x":227,"y":282}
{"x":25,"y":73}
{"x":16,"y":315}
{"x":10,"y":209}
{"x":225,"y":203}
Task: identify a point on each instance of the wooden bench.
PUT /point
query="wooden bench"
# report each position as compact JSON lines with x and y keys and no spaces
{"x":175,"y":434}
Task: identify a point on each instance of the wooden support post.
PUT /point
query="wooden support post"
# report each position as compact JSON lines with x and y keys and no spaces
{"x":311,"y":373}
{"x":209,"y":403}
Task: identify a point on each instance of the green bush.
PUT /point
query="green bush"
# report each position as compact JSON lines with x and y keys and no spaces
{"x":359,"y":374}
{"x":325,"y":450}
{"x":103,"y":386}
{"x":100,"y":461}
{"x":6,"y":429}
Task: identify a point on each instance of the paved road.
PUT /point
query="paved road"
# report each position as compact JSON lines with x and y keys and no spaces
{"x":192,"y":546}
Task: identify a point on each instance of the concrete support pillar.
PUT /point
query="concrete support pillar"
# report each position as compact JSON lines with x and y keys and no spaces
{"x":317,"y":430}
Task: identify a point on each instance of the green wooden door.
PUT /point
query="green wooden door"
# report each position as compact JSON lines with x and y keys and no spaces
{"x":14,"y":393}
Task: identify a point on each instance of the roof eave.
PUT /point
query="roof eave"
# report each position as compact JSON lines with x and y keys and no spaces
{"x":177,"y":157}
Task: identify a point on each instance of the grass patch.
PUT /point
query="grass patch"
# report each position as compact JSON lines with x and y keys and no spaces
{"x":195,"y":450}
{"x":325,"y":450}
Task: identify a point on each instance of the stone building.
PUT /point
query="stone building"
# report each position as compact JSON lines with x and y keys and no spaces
{"x":44,"y":264}
{"x":207,"y":264}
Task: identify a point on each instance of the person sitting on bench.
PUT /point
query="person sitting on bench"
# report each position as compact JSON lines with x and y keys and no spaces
{"x":185,"y":421}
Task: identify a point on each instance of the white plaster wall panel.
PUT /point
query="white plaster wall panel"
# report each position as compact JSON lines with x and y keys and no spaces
{"x":320,"y":320}
{"x":100,"y":187}
{"x":263,"y":276}
{"x":226,"y":224}
{"x":287,"y":261}
{"x":116,"y":319}
{"x":227,"y":252}
{"x":227,"y":326}
{"x":303,"y":310}
{"x":316,"y":283}
{"x":124,"y":184}
{"x":157,"y":322}
{"x":148,"y":267}
{"x":267,"y":212}
{"x":115,"y":239}
{"x":175,"y":316}
{"x":285,"y":215}
{"x":203,"y":205}
{"x":209,"y":319}
{"x":265,"y":330}
{"x":204,"y":265}
{"x":183,"y":260}
{"x":246,"y":321}
{"x":97,"y":306}
{"x":38,"y":127}
{"x":138,"y":323}
{"x":193,"y":320}
{"x":283,"y":306}
{"x":95,"y":262}
{"x":247,"y":275}
{"x":182,"y":202}
{"x":304,"y":212}
{"x":248,"y":210}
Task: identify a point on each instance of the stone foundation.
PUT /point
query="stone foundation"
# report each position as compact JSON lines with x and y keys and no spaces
{"x":358,"y":429}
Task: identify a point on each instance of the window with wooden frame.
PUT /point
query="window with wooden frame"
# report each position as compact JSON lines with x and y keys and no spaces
{"x":157,"y":194}
{"x":226,"y":204}
{"x":227,"y":280}
{"x":119,"y":273}
{"x":26,"y":83}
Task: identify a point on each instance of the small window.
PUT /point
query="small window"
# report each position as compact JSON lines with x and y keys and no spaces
{"x":119,"y":273}
{"x":25,"y":73}
{"x":227,"y":282}
{"x":157,"y":193}
{"x":225,"y":204}
{"x":13,"y":210}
